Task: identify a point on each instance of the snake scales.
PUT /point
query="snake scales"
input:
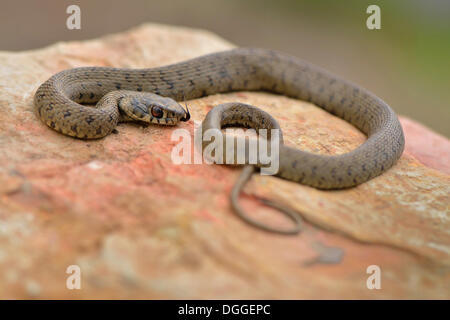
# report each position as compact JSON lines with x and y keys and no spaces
{"x":150,"y":95}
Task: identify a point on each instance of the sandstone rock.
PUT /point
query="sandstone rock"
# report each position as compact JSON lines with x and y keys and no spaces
{"x":140,"y":226}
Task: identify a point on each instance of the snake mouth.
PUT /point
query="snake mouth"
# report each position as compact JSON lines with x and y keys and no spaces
{"x":187,"y":115}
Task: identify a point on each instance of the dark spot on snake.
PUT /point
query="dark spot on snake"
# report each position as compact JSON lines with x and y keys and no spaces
{"x":99,"y":131}
{"x":67,"y":114}
{"x":302,"y":177}
{"x":118,"y":85}
{"x":114,"y":131}
{"x":92,"y":95}
{"x":308,"y":98}
{"x":80,"y":96}
{"x":99,"y":84}
{"x":74,"y":128}
{"x":89,"y":119}
{"x":139,"y":88}
{"x":52,"y":124}
{"x":223,"y":73}
{"x":274,"y":86}
{"x":354,"y":180}
{"x":211,"y":82}
{"x":333,"y":172}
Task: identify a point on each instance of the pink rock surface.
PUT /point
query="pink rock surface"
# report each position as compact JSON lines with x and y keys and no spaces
{"x":427,"y":146}
{"x":140,"y":226}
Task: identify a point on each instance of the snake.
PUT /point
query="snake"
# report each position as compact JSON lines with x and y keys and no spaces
{"x":89,"y":102}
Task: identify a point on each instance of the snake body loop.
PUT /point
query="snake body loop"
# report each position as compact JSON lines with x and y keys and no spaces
{"x":57,"y":103}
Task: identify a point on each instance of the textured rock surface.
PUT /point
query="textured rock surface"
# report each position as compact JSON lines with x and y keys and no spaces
{"x":141,"y":227}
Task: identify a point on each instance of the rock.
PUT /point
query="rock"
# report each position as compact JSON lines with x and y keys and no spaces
{"x":139,"y":226}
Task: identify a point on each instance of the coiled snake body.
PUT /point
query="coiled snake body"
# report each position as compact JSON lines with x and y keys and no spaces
{"x":137,"y":95}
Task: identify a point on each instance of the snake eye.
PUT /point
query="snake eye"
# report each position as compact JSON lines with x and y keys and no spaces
{"x":157,"y":112}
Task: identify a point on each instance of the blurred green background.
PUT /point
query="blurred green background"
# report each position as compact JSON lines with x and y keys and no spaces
{"x":406,"y":63}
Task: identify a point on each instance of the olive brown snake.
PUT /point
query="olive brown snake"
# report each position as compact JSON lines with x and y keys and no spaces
{"x":150,"y":95}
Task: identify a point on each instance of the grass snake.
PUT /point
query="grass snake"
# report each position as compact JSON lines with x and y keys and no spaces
{"x":151,"y":95}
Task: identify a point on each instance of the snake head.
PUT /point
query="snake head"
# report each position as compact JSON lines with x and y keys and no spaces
{"x":152,"y":108}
